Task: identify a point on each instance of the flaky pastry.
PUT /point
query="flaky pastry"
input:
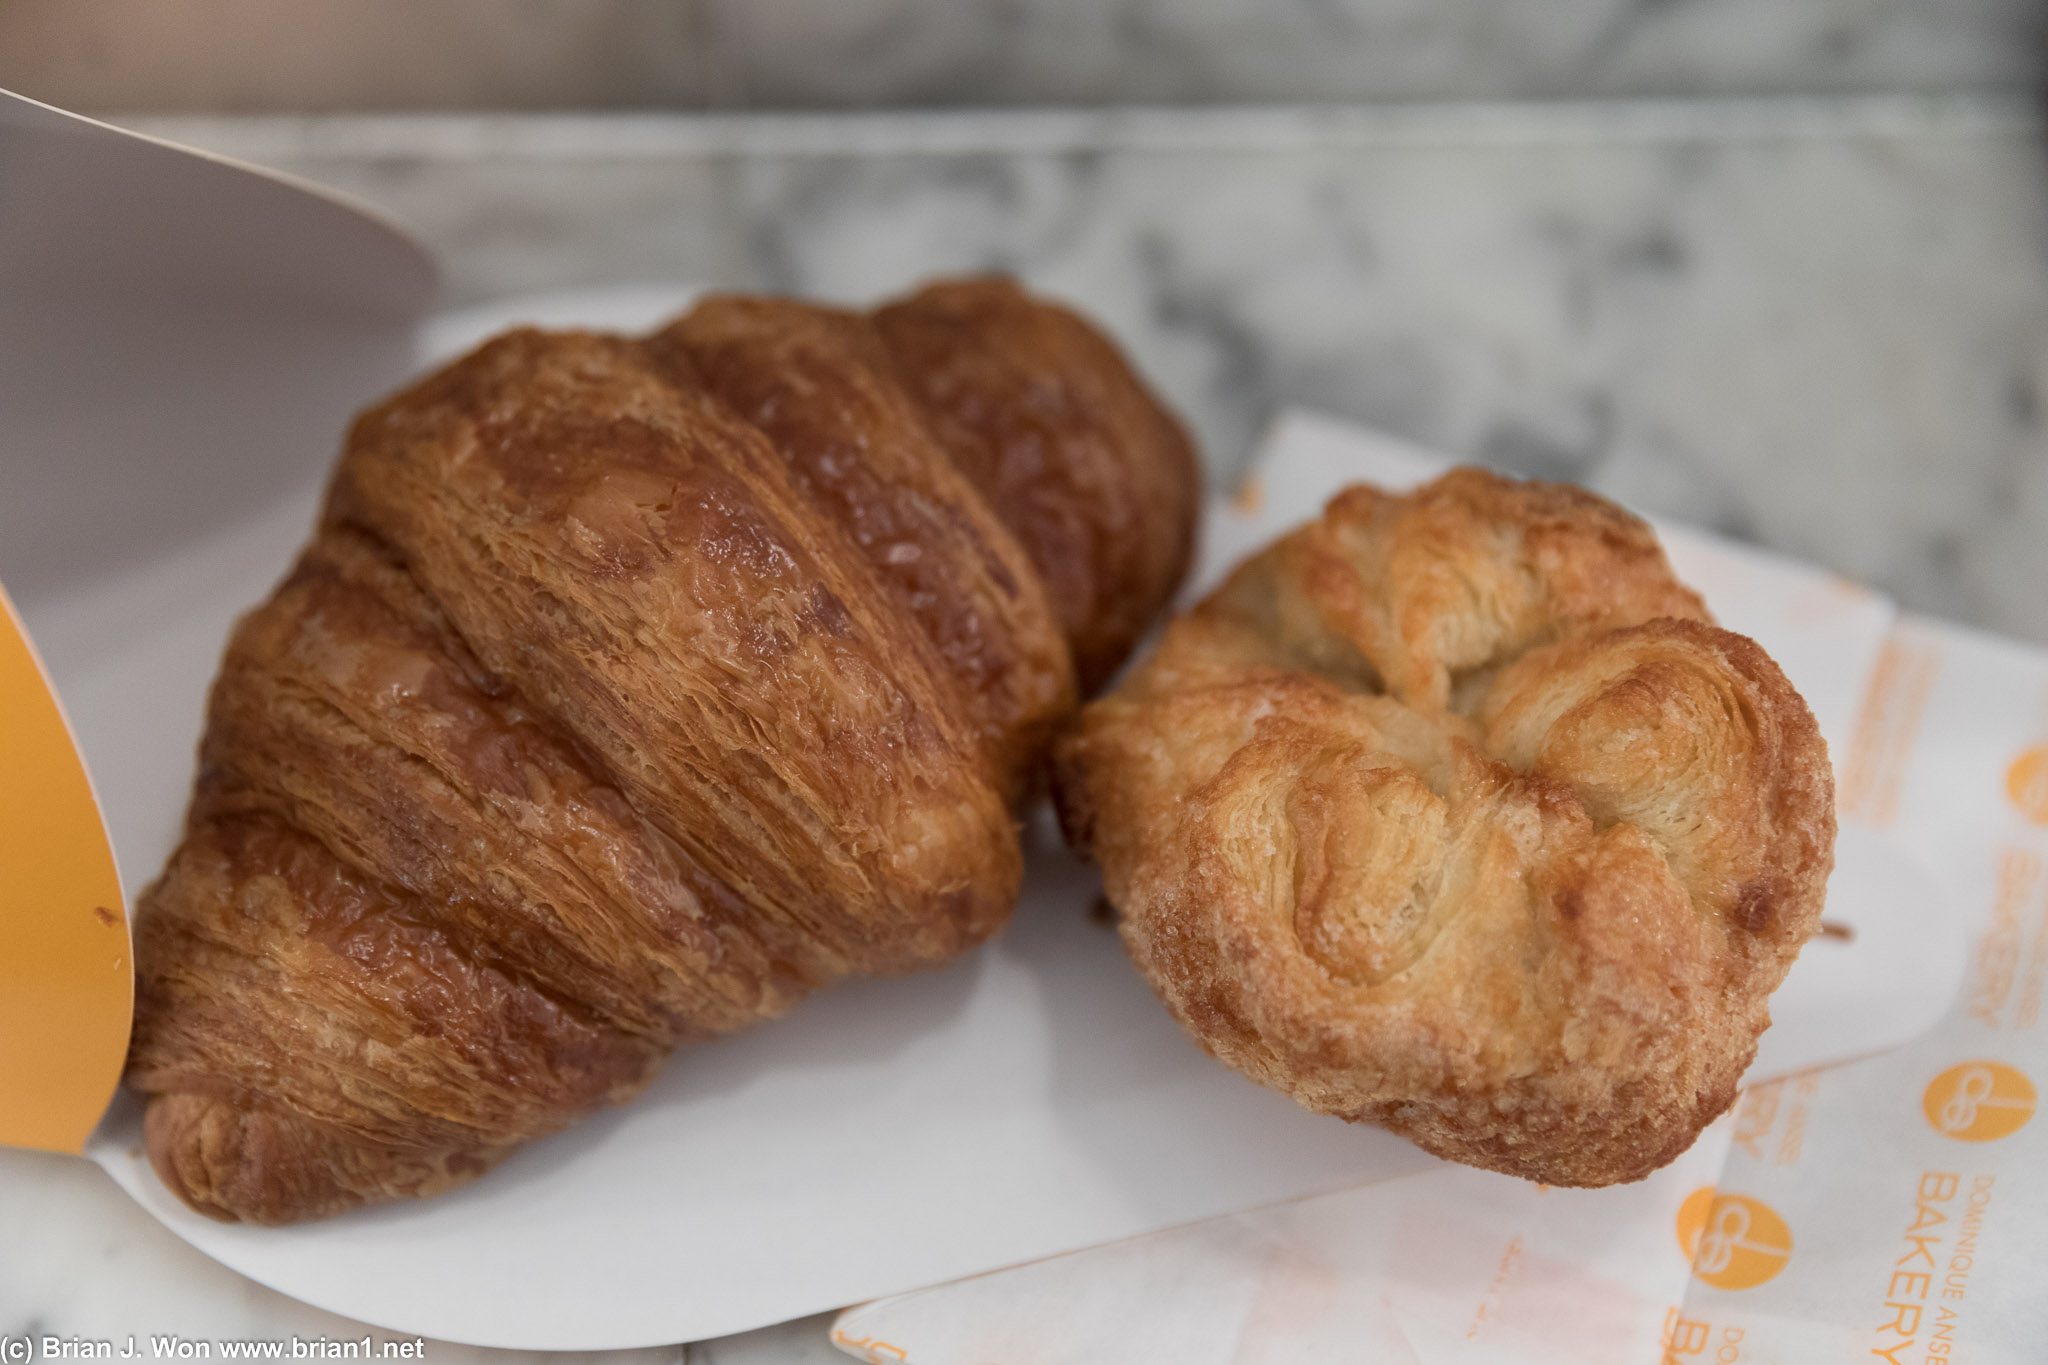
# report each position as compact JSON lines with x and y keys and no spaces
{"x":1453,"y":813}
{"x":628,"y":690}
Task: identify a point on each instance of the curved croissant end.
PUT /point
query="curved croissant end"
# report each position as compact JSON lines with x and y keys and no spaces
{"x":1453,"y":814}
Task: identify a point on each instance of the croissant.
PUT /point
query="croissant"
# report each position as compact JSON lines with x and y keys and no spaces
{"x":628,"y":691}
{"x":1454,"y":814}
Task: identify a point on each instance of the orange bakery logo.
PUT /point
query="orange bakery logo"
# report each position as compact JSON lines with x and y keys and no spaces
{"x":1979,"y":1101}
{"x":2026,"y":782}
{"x":1735,"y":1242}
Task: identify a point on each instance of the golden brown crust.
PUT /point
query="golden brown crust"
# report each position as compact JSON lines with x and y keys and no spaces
{"x":627,"y":692}
{"x":818,"y":383}
{"x":1454,"y":814}
{"x":1098,"y":482}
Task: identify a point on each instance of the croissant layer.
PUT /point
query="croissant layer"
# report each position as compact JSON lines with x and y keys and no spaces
{"x":1454,"y":814}
{"x":628,"y":691}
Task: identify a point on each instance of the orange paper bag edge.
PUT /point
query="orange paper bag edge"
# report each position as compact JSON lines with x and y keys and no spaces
{"x":67,"y":981}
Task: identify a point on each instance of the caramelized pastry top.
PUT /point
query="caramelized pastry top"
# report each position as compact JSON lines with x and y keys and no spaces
{"x":1455,"y":814}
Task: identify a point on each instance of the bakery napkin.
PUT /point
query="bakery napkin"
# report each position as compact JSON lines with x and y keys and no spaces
{"x":1772,"y":1238}
{"x":1897,"y":1208}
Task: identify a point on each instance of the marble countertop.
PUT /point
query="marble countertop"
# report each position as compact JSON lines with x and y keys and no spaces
{"x":1820,"y":325}
{"x":344,"y":54}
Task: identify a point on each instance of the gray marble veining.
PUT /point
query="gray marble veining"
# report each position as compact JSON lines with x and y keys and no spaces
{"x":809,"y":52}
{"x":1822,"y":326}
{"x":396,"y":54}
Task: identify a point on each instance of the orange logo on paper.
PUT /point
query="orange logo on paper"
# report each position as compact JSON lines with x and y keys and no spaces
{"x":1735,"y":1242}
{"x":1979,"y":1101}
{"x":2026,"y":782}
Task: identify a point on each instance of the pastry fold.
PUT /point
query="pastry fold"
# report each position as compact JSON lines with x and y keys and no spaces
{"x":1455,"y":814}
{"x":628,"y":690}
